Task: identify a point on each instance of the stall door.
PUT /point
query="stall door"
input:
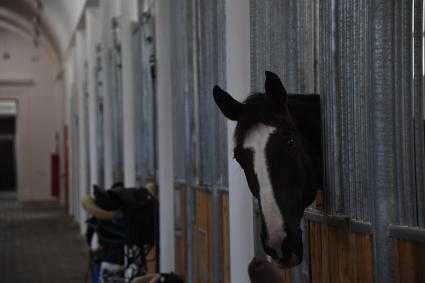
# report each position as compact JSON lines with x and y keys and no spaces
{"x":200,"y":158}
{"x":145,"y":105}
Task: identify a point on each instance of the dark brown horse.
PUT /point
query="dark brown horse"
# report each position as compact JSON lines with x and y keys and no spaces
{"x":278,"y":145}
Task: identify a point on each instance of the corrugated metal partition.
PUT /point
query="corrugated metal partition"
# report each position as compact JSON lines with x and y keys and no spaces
{"x":345,"y":88}
{"x":144,"y":50}
{"x":116,"y":104}
{"x":365,"y":59}
{"x":200,"y":157}
{"x":100,"y":146}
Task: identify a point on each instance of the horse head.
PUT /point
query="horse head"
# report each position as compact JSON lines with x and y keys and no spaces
{"x":278,"y":146}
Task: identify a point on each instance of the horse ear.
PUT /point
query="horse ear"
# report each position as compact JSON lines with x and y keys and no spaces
{"x":275,"y":88}
{"x":230,"y":107}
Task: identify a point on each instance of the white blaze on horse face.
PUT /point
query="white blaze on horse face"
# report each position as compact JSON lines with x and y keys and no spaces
{"x":257,"y":141}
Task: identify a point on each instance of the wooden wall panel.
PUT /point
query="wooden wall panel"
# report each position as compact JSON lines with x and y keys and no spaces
{"x":364,"y":258}
{"x":339,"y":256}
{"x":202,"y":236}
{"x":181,"y":235}
{"x":224,"y":238}
{"x":409,"y":261}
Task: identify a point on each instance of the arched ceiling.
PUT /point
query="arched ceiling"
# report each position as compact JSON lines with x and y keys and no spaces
{"x":58,"y":18}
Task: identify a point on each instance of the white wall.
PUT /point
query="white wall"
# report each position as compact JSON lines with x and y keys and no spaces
{"x":39,"y":116}
{"x":241,"y":214}
{"x":81,"y":53}
{"x":165,"y":137}
{"x":128,"y":92}
{"x":63,"y":17}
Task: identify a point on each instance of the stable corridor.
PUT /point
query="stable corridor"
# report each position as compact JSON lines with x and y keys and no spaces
{"x":39,"y":243}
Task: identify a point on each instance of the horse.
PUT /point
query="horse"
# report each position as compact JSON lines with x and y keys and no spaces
{"x":278,"y":146}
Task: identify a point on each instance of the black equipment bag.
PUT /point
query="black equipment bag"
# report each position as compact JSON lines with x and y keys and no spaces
{"x":138,"y":207}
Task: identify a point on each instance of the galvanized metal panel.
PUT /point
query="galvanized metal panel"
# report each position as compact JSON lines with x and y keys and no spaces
{"x":143,"y":44}
{"x":116,"y":104}
{"x":418,"y":34}
{"x":283,"y":41}
{"x":382,"y":123}
{"x":182,"y":86}
{"x":405,"y":175}
{"x":365,"y":84}
{"x":330,"y":115}
{"x":99,"y":120}
{"x":211,"y":71}
{"x":345,"y":88}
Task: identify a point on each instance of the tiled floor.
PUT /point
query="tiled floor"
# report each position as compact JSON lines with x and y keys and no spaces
{"x":39,"y":244}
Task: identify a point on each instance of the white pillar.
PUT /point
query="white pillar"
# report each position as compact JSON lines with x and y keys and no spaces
{"x":165,"y":137}
{"x":128,"y":94}
{"x":91,"y":41}
{"x":81,"y":55}
{"x":238,"y":84}
{"x":105,"y":11}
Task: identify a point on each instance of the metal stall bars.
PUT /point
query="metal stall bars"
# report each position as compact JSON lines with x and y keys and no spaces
{"x":284,"y":40}
{"x":200,"y":139}
{"x":100,"y":119}
{"x":345,"y":38}
{"x":116,"y":104}
{"x":418,"y":100}
{"x":144,"y":48}
{"x":355,"y":71}
{"x":366,"y":66}
{"x":408,"y":228}
{"x":372,"y":108}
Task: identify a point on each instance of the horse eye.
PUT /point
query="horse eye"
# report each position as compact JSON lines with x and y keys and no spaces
{"x":291,"y":142}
